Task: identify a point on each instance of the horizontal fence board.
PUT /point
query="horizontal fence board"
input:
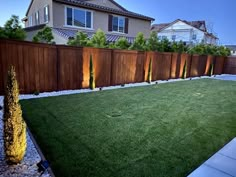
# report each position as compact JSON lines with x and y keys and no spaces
{"x":43,"y":67}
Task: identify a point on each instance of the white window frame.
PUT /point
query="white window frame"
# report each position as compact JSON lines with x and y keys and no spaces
{"x":37,"y":21}
{"x":75,"y":8}
{"x":118,"y":24}
{"x":194,"y":37}
{"x":30,"y":20}
{"x":46,"y":10}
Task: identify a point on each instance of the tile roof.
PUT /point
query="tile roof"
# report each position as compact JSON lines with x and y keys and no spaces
{"x":123,"y":11}
{"x":70,"y":33}
{"x":196,"y":24}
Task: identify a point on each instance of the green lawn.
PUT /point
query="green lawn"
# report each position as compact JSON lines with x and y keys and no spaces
{"x":162,"y":130}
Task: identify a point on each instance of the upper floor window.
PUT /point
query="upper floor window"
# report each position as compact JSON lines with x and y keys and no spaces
{"x":118,"y":24}
{"x":46,"y":13}
{"x":194,"y":37}
{"x":173,"y":37}
{"x":30,"y":20}
{"x":37,"y":18}
{"x":78,"y":17}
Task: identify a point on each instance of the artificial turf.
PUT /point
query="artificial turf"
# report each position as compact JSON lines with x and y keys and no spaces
{"x":163,"y":130}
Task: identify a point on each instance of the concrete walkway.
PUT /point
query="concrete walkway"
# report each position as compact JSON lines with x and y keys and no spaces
{"x":226,"y":77}
{"x":222,"y":164}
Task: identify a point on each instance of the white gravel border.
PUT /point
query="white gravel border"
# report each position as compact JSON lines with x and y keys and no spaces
{"x":28,"y":166}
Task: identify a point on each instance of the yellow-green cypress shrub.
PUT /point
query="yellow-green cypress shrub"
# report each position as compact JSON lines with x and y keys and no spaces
{"x":14,"y":125}
{"x":92,"y":75}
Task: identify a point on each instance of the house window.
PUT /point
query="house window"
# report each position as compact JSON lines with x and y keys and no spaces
{"x":78,"y":18}
{"x":37,"y":18}
{"x":30,"y":20}
{"x":173,"y":37}
{"x":163,"y":37}
{"x":194,"y":37}
{"x":118,"y":24}
{"x":46,"y":14}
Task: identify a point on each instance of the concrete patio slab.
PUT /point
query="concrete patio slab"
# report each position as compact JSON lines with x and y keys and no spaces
{"x":222,"y":164}
{"x":205,"y":171}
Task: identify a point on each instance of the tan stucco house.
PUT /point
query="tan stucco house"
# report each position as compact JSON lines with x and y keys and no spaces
{"x":67,"y":17}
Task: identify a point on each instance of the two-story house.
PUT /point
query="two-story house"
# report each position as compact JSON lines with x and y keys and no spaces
{"x":67,"y":17}
{"x":190,"y":32}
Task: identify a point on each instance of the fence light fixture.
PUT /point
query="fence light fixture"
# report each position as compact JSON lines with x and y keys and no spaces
{"x":42,"y":166}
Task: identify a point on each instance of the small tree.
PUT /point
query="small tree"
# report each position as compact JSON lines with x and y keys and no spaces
{"x":12,"y":29}
{"x":139,"y":43}
{"x":122,"y":43}
{"x":92,"y":77}
{"x":99,"y":39}
{"x":14,"y":125}
{"x":211,"y":70}
{"x":152,"y":42}
{"x":44,"y":36}
{"x":81,"y":39}
{"x":184,"y":74}
{"x":149,"y":79}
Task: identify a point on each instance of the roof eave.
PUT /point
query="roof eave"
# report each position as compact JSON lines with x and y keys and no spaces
{"x":107,"y":10}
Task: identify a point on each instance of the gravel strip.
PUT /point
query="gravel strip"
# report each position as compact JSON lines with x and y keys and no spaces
{"x":28,"y":166}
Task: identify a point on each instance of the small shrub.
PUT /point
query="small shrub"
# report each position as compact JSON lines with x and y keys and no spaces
{"x":211,"y":69}
{"x":44,"y":36}
{"x":122,"y":43}
{"x":92,"y":77}
{"x":139,"y":43}
{"x":149,"y":79}
{"x":152,"y":42}
{"x":184,"y":75}
{"x":81,"y":39}
{"x":99,"y":39}
{"x":14,"y":125}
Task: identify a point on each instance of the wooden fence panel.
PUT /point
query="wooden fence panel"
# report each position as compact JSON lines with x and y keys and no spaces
{"x":230,"y":65}
{"x":127,"y":67}
{"x":69,"y":68}
{"x":2,"y":66}
{"x":198,"y":65}
{"x":175,"y":65}
{"x":219,"y":65}
{"x":102,"y":66}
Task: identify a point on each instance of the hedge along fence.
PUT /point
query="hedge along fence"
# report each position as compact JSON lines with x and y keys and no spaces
{"x":42,"y":67}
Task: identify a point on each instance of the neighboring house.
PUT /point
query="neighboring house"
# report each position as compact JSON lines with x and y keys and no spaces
{"x":190,"y":32}
{"x":67,"y":17}
{"x":232,"y":49}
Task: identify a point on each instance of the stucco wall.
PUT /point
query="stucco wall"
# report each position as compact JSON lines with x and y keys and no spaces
{"x":100,"y":20}
{"x":38,"y":5}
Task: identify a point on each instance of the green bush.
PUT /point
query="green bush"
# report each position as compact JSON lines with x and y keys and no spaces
{"x":122,"y":43}
{"x":152,"y":42}
{"x":81,"y":40}
{"x":44,"y":36}
{"x":149,"y":79}
{"x":178,"y":47}
{"x":139,"y":43}
{"x":99,"y":39}
{"x":205,"y":49}
{"x":91,"y":76}
{"x":14,"y":125}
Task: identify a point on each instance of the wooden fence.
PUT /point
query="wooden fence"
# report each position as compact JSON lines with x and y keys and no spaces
{"x":42,"y":67}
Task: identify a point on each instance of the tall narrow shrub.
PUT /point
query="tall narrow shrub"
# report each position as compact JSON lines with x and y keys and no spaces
{"x":149,"y":79}
{"x":92,"y":77}
{"x":184,"y":75}
{"x":14,"y":125}
{"x":211,"y":69}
